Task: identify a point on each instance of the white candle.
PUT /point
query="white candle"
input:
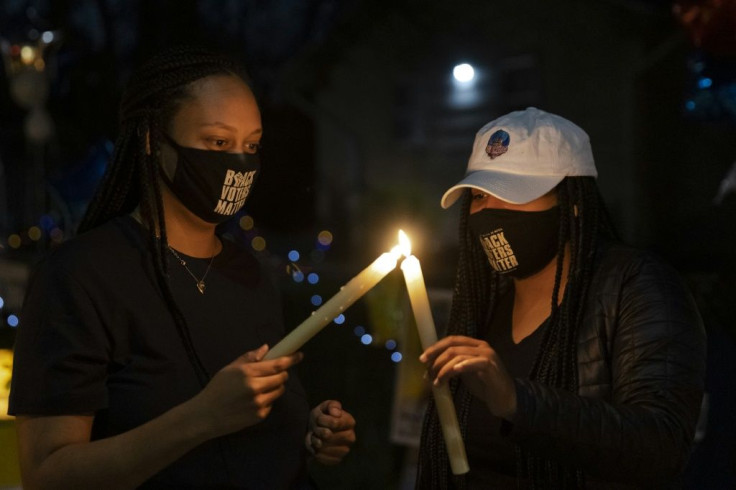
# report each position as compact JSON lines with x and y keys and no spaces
{"x":348,"y":294}
{"x":428,"y":336}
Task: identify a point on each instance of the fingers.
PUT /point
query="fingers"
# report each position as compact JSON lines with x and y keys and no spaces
{"x":331,"y":407}
{"x":252,"y":364}
{"x":432,"y":352}
{"x":331,"y":432}
{"x":454,"y":354}
{"x":448,"y":371}
{"x":330,"y":415}
{"x":265,"y":384}
{"x":330,"y":456}
{"x":263,"y":402}
{"x":255,"y":355}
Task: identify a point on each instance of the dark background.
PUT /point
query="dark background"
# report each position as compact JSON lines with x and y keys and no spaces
{"x":365,"y":129}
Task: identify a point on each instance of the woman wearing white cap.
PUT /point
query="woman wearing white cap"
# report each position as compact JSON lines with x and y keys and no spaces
{"x":576,"y":361}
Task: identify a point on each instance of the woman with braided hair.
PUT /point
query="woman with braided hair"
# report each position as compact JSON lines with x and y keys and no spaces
{"x":140,"y":358}
{"x":576,"y":362}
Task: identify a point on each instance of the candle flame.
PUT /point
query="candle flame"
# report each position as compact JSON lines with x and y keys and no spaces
{"x":404,"y":244}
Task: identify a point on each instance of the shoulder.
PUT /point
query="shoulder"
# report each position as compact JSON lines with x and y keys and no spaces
{"x":623,"y":264}
{"x":641,"y":287}
{"x":94,"y":251}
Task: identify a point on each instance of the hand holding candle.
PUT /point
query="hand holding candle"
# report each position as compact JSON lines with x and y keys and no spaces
{"x":428,"y":336}
{"x":348,"y":294}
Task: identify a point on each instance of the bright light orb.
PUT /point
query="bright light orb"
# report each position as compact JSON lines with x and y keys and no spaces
{"x":463,"y":73}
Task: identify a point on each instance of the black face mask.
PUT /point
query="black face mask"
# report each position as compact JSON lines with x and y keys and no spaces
{"x":518,"y":243}
{"x":213,"y":185}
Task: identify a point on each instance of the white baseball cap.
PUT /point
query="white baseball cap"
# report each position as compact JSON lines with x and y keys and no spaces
{"x":523,"y":155}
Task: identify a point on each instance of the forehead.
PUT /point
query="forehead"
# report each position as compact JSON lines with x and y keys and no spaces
{"x":219,"y":98}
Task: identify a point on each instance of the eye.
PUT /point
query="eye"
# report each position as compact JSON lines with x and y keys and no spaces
{"x":252,"y":148}
{"x":217,"y":143}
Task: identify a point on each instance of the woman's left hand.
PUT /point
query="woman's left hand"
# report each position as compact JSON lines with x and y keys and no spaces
{"x":331,"y":432}
{"x":480,"y":368}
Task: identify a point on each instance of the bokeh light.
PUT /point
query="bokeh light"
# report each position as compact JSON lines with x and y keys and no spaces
{"x":316,"y":300}
{"x":359,"y":331}
{"x":312,"y":278}
{"x":396,"y":356}
{"x":14,"y":241}
{"x":57,"y":235}
{"x":13,"y":320}
{"x":463,"y":72}
{"x":340,"y":319}
{"x":258,"y":243}
{"x":294,"y":255}
{"x":366,"y":339}
{"x":246,"y":223}
{"x":34,"y":233}
{"x":324,"y":238}
{"x":297,"y":276}
{"x":390,"y":344}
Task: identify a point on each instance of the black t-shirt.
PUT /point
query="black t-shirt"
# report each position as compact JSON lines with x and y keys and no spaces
{"x":96,"y":336}
{"x":491,"y":457}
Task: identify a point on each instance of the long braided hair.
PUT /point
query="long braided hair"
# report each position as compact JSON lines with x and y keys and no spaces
{"x":583,"y":221}
{"x":151,"y":99}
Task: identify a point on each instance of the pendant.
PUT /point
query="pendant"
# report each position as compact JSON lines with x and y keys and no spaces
{"x":200,"y":286}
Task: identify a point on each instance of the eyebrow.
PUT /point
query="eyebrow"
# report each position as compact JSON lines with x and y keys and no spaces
{"x":230,"y":128}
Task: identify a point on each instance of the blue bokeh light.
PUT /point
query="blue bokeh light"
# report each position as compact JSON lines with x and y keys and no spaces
{"x":390,"y":344}
{"x":359,"y":331}
{"x":396,"y":356}
{"x":316,"y":300}
{"x":313,"y":278}
{"x":2,"y":302}
{"x":340,"y":319}
{"x":13,"y":320}
{"x":298,"y":276}
{"x":47,"y":222}
{"x":294,"y":256}
{"x":366,"y":339}
{"x":705,"y":82}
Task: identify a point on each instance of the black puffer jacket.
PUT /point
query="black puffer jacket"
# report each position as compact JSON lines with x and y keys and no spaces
{"x":641,"y":365}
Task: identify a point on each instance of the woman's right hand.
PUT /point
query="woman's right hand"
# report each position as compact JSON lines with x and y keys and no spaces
{"x":242,"y":393}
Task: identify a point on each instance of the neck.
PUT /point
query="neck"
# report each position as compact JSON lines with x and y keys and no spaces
{"x":539,"y":287}
{"x":186,"y":232}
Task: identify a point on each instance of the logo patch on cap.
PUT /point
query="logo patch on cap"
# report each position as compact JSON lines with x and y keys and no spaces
{"x":498,"y":144}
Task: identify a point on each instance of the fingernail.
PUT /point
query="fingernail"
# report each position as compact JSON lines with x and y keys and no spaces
{"x":422,"y":358}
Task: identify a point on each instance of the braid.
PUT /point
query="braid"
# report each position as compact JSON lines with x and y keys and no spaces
{"x":583,"y":220}
{"x":151,"y":99}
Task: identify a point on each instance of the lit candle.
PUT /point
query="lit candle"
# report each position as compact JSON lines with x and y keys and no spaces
{"x":348,"y":294}
{"x":428,"y":336}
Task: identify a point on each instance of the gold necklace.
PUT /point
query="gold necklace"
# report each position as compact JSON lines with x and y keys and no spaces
{"x":200,"y":282}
